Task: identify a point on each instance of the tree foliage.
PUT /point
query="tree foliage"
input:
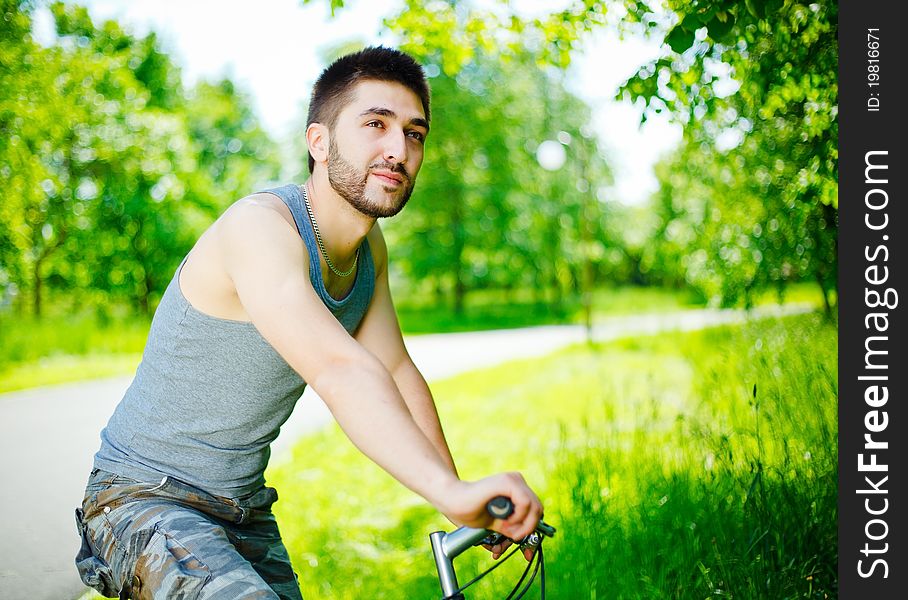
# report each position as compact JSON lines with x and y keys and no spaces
{"x":465,"y":31}
{"x":750,"y":200}
{"x":485,"y":213}
{"x":108,"y":168}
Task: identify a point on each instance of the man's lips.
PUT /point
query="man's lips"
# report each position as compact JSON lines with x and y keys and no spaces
{"x":387,"y":177}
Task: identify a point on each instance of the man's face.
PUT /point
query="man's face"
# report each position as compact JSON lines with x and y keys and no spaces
{"x":376,"y":148}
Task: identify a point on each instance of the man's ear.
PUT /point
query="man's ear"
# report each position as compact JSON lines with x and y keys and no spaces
{"x":317,"y":138}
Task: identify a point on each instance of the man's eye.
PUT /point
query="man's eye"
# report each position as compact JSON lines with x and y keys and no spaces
{"x":416,"y":135}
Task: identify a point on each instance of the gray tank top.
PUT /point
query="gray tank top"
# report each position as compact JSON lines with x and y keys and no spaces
{"x":210,"y":394}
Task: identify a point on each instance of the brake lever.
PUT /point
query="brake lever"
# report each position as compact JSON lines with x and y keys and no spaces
{"x":543,"y":530}
{"x":493,"y":539}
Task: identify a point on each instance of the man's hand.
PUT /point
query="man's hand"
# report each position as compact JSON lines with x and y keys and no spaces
{"x":464,"y":503}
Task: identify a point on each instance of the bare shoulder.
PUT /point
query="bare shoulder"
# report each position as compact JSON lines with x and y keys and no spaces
{"x":254,"y":230}
{"x":259,"y":225}
{"x":262,"y":210}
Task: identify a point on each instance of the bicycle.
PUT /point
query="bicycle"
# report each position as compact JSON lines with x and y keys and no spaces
{"x":448,"y":546}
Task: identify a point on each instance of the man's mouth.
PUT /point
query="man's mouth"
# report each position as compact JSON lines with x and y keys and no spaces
{"x":389,"y":178}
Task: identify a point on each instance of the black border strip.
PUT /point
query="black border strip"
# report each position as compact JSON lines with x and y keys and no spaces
{"x":872,"y":265}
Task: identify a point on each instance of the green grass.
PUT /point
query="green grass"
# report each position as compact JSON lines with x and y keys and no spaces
{"x":627,"y":300}
{"x":61,"y":349}
{"x":442,"y":319}
{"x":27,"y":339}
{"x":808,"y":293}
{"x":665,"y":474}
{"x":497,"y":309}
{"x":65,"y":369}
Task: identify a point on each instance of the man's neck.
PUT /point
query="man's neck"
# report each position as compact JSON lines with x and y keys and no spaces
{"x":342,"y":227}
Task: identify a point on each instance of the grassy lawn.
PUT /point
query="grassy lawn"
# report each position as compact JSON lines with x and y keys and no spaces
{"x":495,"y":309}
{"x":62,"y":348}
{"x":66,"y":368}
{"x":684,"y":465}
{"x":667,"y":472}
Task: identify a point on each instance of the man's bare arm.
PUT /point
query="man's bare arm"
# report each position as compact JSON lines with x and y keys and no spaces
{"x":380,"y":333}
{"x":268,"y":265}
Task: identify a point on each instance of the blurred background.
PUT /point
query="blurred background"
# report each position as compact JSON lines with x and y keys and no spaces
{"x":588,"y":161}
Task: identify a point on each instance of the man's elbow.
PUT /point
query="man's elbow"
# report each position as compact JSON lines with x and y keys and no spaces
{"x":343,"y":375}
{"x":405,"y":370}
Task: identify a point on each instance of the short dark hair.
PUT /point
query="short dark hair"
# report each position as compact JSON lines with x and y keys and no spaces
{"x":332,"y":90}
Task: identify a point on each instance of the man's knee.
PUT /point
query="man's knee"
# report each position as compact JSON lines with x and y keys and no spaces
{"x":157,"y":549}
{"x":164,"y":568}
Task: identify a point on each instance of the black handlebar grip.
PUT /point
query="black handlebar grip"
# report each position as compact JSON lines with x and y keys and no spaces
{"x":500,"y":507}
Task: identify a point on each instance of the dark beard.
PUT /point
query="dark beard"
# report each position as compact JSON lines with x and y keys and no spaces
{"x":350,"y":185}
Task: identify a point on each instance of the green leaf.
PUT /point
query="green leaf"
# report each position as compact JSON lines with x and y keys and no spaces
{"x":756,"y":8}
{"x":679,"y":39}
{"x":718,"y":29}
{"x":705,"y":15}
{"x":691,"y":23}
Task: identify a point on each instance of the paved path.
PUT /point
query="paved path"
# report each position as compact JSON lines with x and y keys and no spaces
{"x":49,"y":435}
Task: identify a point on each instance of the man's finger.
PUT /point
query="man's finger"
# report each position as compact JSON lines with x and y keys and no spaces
{"x":532,"y":516}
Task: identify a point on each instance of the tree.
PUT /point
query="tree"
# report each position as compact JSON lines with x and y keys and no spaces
{"x":462,"y":32}
{"x":108,"y":171}
{"x":485,"y":213}
{"x":763,"y":212}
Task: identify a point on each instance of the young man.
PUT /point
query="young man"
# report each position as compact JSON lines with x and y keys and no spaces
{"x":287,"y":287}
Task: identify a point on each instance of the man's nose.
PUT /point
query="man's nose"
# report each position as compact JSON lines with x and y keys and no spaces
{"x":395,"y":149}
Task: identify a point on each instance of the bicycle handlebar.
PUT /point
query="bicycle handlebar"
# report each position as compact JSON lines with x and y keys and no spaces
{"x":448,"y":546}
{"x":500,"y":507}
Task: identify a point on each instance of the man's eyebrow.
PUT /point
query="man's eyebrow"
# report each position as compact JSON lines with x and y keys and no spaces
{"x":420,"y":122}
{"x":387,"y":112}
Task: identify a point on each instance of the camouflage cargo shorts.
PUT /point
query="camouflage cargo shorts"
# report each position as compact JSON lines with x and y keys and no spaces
{"x":172,"y":540}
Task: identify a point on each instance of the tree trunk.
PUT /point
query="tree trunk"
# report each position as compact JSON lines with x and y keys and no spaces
{"x":557,"y":292}
{"x":439,"y":292}
{"x":460,"y":291}
{"x":36,"y":287}
{"x":37,"y":281}
{"x":555,"y":246}
{"x":144,"y":297}
{"x":828,"y":277}
{"x":460,"y":288}
{"x":827,"y":307}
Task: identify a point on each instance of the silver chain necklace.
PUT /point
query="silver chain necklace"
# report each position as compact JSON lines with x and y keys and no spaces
{"x":321,"y":244}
